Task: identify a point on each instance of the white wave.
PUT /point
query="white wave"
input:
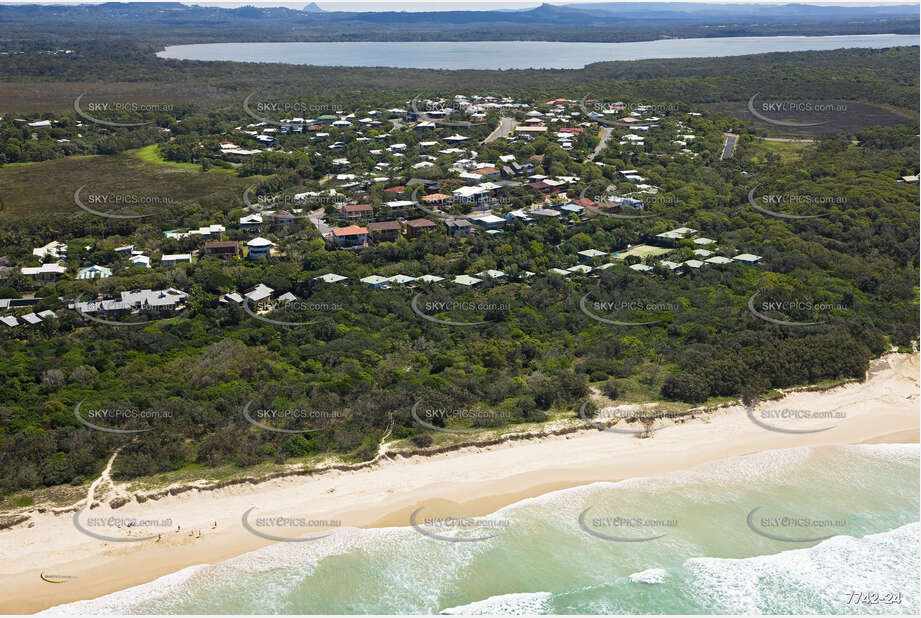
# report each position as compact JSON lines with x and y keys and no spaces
{"x":515,"y":604}
{"x":649,"y":576}
{"x":896,"y":453}
{"x":818,"y":579}
{"x":120,"y":602}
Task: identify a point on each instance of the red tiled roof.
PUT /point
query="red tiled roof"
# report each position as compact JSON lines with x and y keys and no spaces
{"x":351,"y":230}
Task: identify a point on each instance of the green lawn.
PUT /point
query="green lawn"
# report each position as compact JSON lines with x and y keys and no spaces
{"x":150,"y":154}
{"x":788,"y":151}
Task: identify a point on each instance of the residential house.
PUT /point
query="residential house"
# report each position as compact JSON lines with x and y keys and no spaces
{"x":431,"y":279}
{"x":384,"y":231}
{"x":251,"y":223}
{"x":591,"y":254}
{"x":671,"y":237}
{"x":259,"y":293}
{"x":94,"y":272}
{"x":175,"y":258}
{"x":376,"y":281}
{"x":45,"y":272}
{"x":258,"y":248}
{"x":222,"y":248}
{"x":458,"y":227}
{"x":331,"y":278}
{"x":417,"y":227}
{"x":357,"y":211}
{"x":401,"y":279}
{"x":281,"y":217}
{"x":140,"y":260}
{"x":747,"y":258}
{"x":488,"y":172}
{"x":427,"y":185}
{"x":466,"y":280}
{"x":54,"y":250}
{"x":350,"y":237}
{"x":488,"y":222}
{"x":545,"y":213}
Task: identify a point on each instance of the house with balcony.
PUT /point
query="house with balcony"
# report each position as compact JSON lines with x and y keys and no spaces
{"x":258,"y":248}
{"x":350,"y":237}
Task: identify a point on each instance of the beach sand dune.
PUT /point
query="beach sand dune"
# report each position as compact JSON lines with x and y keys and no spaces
{"x":463,"y":483}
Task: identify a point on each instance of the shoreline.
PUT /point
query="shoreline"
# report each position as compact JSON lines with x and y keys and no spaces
{"x":470,"y":481}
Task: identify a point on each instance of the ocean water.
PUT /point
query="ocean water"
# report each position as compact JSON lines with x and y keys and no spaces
{"x":516,"y":54}
{"x":684,"y":543}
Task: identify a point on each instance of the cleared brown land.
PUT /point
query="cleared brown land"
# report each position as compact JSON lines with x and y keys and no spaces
{"x":850,"y":116}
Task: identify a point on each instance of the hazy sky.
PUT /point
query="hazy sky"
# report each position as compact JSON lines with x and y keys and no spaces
{"x":450,"y":5}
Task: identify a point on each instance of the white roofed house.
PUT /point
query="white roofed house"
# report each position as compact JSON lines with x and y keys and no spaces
{"x":487,"y":221}
{"x":491,"y":274}
{"x":31,"y":319}
{"x":259,"y":293}
{"x":431,"y":278}
{"x":331,"y":278}
{"x":168,"y":300}
{"x":671,"y":237}
{"x":466,"y":280}
{"x":175,"y":258}
{"x":591,"y":254}
{"x":54,"y":250}
{"x":376,"y":281}
{"x":140,"y":260}
{"x":747,"y":258}
{"x":259,"y":247}
{"x":251,"y":222}
{"x":94,"y":272}
{"x":401,"y":279}
{"x":45,"y":272}
{"x":672,"y":266}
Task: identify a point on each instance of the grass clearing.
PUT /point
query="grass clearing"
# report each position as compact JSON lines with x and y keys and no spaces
{"x":150,"y":154}
{"x":787,"y":151}
{"x":28,"y":191}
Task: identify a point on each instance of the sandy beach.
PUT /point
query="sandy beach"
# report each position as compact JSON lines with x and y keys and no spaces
{"x":471,"y":481}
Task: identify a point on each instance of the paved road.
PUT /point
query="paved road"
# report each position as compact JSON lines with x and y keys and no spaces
{"x":316,"y":217}
{"x":730,"y":145}
{"x":602,"y":143}
{"x":506,"y":126}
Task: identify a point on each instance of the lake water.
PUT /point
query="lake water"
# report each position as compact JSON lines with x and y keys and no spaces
{"x":516,"y":54}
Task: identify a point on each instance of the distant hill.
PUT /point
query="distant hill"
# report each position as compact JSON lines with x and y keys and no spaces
{"x":163,"y":23}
